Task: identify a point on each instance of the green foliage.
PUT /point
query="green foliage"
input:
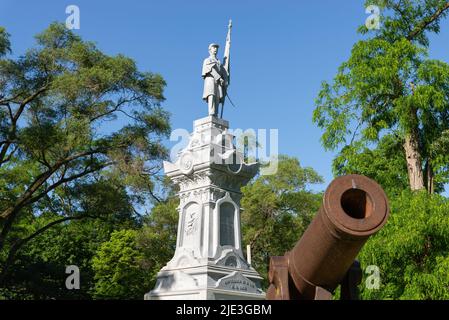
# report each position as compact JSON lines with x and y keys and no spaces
{"x":411,"y":250}
{"x":157,"y":239}
{"x":65,"y":90}
{"x":408,"y":19}
{"x":62,"y":155}
{"x":117,"y":267}
{"x":385,"y":164}
{"x":387,"y":91}
{"x":126,"y":266}
{"x":388,"y":86}
{"x":38,"y":270}
{"x":5,"y":45}
{"x":277,"y":209}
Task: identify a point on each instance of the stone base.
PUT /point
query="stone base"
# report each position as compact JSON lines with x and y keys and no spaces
{"x":208,"y":282}
{"x":204,"y":294}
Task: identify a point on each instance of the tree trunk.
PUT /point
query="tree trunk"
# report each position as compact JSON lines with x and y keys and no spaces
{"x":429,"y":178}
{"x":413,"y":158}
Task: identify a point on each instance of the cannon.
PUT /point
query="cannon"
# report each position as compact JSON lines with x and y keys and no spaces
{"x":354,"y":208}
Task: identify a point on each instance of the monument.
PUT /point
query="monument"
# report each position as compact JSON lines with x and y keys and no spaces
{"x":208,"y":263}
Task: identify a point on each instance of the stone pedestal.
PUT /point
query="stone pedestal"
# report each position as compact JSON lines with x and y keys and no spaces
{"x":208,"y":262}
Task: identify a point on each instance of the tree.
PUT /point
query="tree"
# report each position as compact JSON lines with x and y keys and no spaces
{"x":56,"y":105}
{"x":38,"y":269}
{"x":157,"y":238}
{"x":117,"y":267}
{"x":277,"y":209}
{"x":385,"y":164}
{"x":411,"y":250}
{"x":126,"y":266}
{"x":389,"y":86}
{"x":5,"y":45}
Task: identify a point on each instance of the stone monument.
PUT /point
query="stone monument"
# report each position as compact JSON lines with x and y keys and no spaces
{"x":208,"y":263}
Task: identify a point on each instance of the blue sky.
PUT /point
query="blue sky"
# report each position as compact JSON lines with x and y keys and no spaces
{"x":281,"y":51}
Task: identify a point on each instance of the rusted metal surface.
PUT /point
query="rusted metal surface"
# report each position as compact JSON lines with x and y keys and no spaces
{"x":350,"y":282}
{"x":354,"y":208}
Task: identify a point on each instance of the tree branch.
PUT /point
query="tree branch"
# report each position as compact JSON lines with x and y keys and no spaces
{"x":115,"y":108}
{"x":426,"y":22}
{"x":20,"y":243}
{"x":16,"y":117}
{"x":12,"y":99}
{"x":27,"y":198}
{"x":39,"y":181}
{"x":65,"y":180}
{"x":8,"y":158}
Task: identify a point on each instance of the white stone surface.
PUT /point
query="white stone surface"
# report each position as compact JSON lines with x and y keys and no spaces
{"x":206,"y":266}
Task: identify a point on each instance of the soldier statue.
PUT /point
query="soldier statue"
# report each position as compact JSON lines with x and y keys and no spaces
{"x":216,"y":76}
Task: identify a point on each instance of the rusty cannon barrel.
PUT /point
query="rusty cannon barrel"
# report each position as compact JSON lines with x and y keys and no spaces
{"x":354,"y":208}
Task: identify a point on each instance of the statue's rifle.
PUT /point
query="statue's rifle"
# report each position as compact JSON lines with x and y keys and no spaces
{"x":227,"y":66}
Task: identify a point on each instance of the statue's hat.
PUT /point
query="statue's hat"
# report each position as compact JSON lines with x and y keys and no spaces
{"x":213,"y":45}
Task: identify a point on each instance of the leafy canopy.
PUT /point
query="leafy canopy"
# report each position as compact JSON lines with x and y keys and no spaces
{"x":389,"y":86}
{"x":277,"y":209}
{"x":73,"y":121}
{"x":411,"y":250}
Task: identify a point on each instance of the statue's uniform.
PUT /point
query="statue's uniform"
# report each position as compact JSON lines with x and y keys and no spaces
{"x":212,"y":72}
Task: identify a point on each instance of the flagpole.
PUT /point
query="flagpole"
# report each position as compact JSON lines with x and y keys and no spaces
{"x":227,"y":65}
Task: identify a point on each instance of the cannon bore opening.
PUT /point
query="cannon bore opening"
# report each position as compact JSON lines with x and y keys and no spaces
{"x":356,"y":203}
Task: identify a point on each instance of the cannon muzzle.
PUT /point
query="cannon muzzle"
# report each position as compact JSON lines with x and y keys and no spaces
{"x":354,"y":208}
